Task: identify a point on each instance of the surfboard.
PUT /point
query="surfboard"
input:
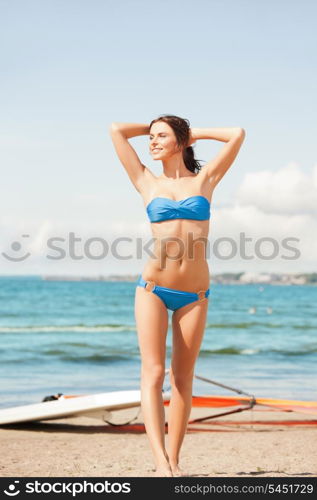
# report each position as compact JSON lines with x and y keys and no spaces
{"x":94,"y":405}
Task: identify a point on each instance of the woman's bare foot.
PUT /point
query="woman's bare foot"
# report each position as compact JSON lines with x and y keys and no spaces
{"x":163,"y":470}
{"x":177,"y":471}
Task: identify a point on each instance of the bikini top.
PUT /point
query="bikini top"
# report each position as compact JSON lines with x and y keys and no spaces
{"x":194,"y":207}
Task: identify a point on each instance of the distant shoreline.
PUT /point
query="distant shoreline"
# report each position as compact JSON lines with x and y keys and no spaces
{"x":241,"y":278}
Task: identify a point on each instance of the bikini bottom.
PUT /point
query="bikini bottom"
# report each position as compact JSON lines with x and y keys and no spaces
{"x":173,"y":299}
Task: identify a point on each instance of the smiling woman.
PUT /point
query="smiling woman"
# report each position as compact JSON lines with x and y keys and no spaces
{"x":176,"y":278}
{"x":164,"y":138}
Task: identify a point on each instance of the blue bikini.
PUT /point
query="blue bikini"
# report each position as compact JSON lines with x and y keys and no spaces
{"x":194,"y":207}
{"x":162,"y":209}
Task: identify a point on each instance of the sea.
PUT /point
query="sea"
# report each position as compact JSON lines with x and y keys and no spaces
{"x":79,"y":337}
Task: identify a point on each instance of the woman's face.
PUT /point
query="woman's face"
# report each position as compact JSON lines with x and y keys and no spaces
{"x":163,"y":143}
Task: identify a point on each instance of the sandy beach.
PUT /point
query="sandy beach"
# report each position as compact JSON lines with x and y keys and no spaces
{"x":253,"y":443}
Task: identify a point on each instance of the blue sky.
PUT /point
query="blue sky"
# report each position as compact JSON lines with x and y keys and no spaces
{"x":69,"y":68}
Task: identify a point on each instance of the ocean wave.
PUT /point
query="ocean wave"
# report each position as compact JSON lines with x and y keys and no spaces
{"x":60,"y":355}
{"x":228,"y":350}
{"x":310,"y":349}
{"x":265,"y":324}
{"x":111,"y":327}
{"x":97,"y":358}
{"x":67,"y":328}
{"x":246,"y":325}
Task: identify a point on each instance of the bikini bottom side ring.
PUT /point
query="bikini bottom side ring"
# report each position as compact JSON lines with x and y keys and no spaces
{"x":173,"y":299}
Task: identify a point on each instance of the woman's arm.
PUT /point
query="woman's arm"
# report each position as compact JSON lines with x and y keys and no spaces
{"x":218,"y":166}
{"x":131,"y":129}
{"x":223,"y":134}
{"x":120,"y":133}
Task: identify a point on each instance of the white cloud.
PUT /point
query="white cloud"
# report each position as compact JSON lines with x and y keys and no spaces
{"x":241,"y":222}
{"x":285,"y":191}
{"x":38,"y":242}
{"x":274,"y":205}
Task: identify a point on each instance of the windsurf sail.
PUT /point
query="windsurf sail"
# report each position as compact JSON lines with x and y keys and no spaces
{"x":244,"y":402}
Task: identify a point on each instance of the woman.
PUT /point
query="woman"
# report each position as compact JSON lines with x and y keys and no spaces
{"x":177,"y":277}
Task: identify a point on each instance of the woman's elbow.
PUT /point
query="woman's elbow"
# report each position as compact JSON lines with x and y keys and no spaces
{"x":241,"y":132}
{"x":113,"y":127}
{"x":238,"y":134}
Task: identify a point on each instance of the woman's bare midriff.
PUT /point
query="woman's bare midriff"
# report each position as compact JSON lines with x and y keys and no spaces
{"x":179,"y":253}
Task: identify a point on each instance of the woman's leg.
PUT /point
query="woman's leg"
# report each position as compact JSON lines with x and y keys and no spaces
{"x":152,"y":324}
{"x":188,"y":330}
